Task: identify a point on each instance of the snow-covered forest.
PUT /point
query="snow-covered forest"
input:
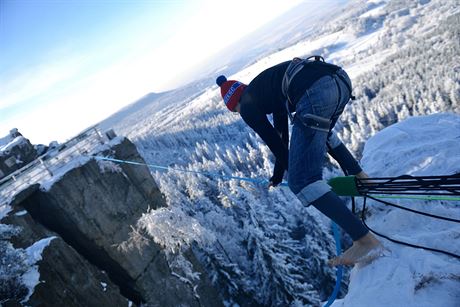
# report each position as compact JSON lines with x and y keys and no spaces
{"x":259,"y":245}
{"x":265,"y":248}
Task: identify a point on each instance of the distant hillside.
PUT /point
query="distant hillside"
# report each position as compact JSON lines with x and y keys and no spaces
{"x":299,"y":23}
{"x":422,"y":77}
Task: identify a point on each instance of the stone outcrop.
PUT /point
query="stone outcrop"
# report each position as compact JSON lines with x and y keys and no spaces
{"x":66,"y":277}
{"x":15,"y":152}
{"x":94,"y":208}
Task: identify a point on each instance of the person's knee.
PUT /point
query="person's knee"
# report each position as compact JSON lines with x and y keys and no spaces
{"x":313,"y":191}
{"x":297,"y":182}
{"x":333,"y":140}
{"x":293,"y":186}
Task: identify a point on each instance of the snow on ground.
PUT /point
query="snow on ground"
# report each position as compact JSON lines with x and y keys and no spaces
{"x":34,"y":254}
{"x":427,"y":145}
{"x":422,"y":146}
{"x":10,"y":142}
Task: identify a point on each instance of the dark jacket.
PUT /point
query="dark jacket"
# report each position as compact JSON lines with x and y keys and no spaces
{"x":264,"y":96}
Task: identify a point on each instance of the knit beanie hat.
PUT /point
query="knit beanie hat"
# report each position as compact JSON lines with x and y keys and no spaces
{"x":231,"y":91}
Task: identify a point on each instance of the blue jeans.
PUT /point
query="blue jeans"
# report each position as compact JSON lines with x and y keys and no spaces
{"x":326,"y":98}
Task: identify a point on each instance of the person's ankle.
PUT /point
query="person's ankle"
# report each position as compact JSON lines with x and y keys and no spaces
{"x":362,"y":175}
{"x":368,"y":239}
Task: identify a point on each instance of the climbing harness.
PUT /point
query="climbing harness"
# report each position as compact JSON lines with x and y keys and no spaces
{"x":310,"y":120}
{"x":315,"y":122}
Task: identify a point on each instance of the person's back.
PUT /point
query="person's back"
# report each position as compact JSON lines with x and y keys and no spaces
{"x":265,"y":89}
{"x":265,"y":92}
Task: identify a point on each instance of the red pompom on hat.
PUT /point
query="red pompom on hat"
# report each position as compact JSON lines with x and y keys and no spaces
{"x":231,"y":91}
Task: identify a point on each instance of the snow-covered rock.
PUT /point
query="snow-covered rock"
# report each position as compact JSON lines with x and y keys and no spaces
{"x":419,"y":146}
{"x":92,"y":208}
{"x":15,"y":152}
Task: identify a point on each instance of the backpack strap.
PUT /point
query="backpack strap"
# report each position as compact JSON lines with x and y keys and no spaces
{"x":294,"y":67}
{"x":352,"y":97}
{"x":310,"y":120}
{"x":316,"y":58}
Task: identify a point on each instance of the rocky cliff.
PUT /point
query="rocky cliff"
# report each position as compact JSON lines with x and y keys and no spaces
{"x":96,"y":255}
{"x":15,"y":152}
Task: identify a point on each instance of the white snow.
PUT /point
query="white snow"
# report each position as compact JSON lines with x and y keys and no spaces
{"x":173,"y":229}
{"x":21,"y":213}
{"x":425,"y":145}
{"x":375,"y":11}
{"x":34,"y":254}
{"x":9,"y":143}
{"x":418,"y":146}
{"x":109,"y":167}
{"x":4,"y":210}
{"x":73,"y":163}
{"x":104,"y":286}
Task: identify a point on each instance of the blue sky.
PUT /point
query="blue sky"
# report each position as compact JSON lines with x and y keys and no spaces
{"x":65,"y":65}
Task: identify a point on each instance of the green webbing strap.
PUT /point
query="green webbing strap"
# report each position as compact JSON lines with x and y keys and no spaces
{"x":344,"y":186}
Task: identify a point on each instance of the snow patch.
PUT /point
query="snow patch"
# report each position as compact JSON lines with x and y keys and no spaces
{"x":108,"y":166}
{"x":74,"y":163}
{"x":425,"y":145}
{"x":17,"y":141}
{"x":104,"y":286}
{"x":34,"y":254}
{"x":173,"y":229}
{"x":4,"y":210}
{"x":21,"y":213}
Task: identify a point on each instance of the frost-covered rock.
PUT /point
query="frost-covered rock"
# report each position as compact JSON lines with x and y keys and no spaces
{"x":95,"y":207}
{"x":15,"y":152}
{"x":39,"y":268}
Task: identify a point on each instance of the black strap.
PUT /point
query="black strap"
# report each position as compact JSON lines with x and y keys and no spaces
{"x":352,"y":97}
{"x":447,"y":185}
{"x":363,"y":219}
{"x":316,"y":57}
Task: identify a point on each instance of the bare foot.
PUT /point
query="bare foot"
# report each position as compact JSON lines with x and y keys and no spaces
{"x":364,"y":250}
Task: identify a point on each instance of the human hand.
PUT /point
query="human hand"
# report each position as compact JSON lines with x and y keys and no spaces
{"x":273,"y":181}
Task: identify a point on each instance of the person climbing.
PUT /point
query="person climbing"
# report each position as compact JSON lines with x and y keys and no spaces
{"x":313,"y":94}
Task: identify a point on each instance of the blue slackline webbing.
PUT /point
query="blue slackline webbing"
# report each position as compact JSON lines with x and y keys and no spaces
{"x":257,"y":181}
{"x":339,"y":271}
